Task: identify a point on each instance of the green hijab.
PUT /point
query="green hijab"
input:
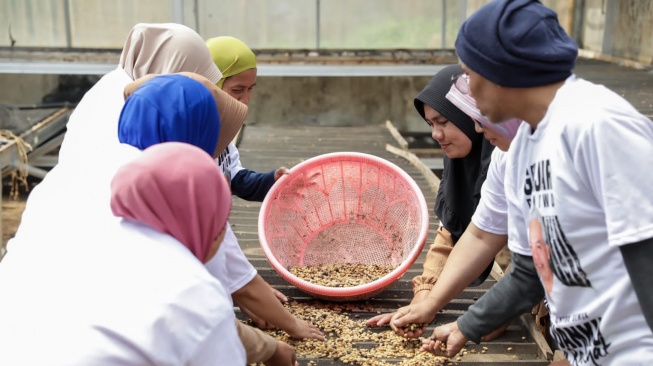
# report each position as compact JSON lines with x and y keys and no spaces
{"x":231,"y":56}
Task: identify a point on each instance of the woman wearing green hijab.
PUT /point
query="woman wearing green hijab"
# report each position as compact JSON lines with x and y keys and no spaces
{"x":238,"y":66}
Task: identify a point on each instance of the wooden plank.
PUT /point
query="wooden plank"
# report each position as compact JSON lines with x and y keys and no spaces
{"x":396,"y":134}
{"x":41,"y":131}
{"x":432,"y":179}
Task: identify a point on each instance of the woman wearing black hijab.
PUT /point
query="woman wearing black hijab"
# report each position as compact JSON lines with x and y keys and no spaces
{"x":465,"y":167}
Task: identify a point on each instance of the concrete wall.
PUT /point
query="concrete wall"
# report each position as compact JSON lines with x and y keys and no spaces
{"x":26,"y":88}
{"x":329,"y":101}
{"x":621,"y":29}
{"x":633,"y":31}
{"x":337,"y":101}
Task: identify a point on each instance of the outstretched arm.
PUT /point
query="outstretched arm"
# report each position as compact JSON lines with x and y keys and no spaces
{"x":257,"y":297}
{"x":251,"y":185}
{"x":473,"y":253}
{"x":514,"y":294}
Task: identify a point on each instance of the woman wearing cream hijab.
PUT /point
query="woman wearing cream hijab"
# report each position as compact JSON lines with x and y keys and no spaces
{"x":230,"y":265}
{"x":149,"y":49}
{"x":238,"y":66}
{"x":92,"y":130}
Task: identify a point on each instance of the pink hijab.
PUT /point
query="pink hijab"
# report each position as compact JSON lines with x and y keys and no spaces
{"x":466,"y":103}
{"x":165,"y":48}
{"x":177,"y":189}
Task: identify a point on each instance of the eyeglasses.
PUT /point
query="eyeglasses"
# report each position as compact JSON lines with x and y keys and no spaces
{"x":461,"y":82}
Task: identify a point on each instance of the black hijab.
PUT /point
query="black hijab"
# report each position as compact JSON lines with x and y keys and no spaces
{"x":462,"y":178}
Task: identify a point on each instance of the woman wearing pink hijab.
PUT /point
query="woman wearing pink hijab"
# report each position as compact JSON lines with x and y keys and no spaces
{"x":176,"y":189}
{"x":136,"y":291}
{"x":174,"y":194}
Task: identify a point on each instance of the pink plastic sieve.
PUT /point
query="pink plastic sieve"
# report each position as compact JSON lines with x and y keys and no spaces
{"x":343,"y":207}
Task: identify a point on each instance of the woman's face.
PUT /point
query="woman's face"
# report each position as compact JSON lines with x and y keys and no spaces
{"x":240,"y":86}
{"x":488,"y":96}
{"x":453,"y":141}
{"x":216,"y":244}
{"x":495,"y":138}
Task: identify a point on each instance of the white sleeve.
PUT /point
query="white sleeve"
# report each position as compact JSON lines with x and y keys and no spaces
{"x":221,"y":347}
{"x":518,"y":210}
{"x":234,"y":158}
{"x":615,"y":158}
{"x":230,"y":265}
{"x":491,"y":214}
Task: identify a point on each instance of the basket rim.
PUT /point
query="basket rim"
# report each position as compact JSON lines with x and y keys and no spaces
{"x":358,"y":290}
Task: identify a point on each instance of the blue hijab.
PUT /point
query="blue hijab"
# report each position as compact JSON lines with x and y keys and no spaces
{"x":170,"y":108}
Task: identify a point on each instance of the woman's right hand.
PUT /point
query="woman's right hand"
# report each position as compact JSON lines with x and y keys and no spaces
{"x":284,"y":355}
{"x":303,"y":330}
{"x":422,"y":312}
{"x":447,"y":340}
{"x":386,"y":319}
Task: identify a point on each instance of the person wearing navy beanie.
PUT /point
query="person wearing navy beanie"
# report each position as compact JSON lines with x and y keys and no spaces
{"x":573,"y":233}
{"x":516,"y":44}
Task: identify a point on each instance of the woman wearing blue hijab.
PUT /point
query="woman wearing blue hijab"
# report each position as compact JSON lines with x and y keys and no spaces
{"x":170,"y":108}
{"x":176,"y":108}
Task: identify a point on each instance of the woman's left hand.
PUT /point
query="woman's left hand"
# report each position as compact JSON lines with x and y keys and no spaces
{"x":279,"y":172}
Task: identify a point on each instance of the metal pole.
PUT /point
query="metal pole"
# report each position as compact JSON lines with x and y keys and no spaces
{"x":611,"y":8}
{"x":317,"y":24}
{"x":462,"y":7}
{"x":66,"y":17}
{"x":444,"y":24}
{"x":578,"y":21}
{"x":178,"y":11}
{"x":196,"y":12}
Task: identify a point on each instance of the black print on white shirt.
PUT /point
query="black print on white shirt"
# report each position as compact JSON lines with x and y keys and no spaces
{"x":539,"y":193}
{"x":565,"y":263}
{"x":582,"y":343}
{"x":538,"y":185}
{"x":224,"y":161}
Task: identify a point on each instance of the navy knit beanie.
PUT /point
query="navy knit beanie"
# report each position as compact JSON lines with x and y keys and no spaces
{"x":435,"y":95}
{"x":516,"y":43}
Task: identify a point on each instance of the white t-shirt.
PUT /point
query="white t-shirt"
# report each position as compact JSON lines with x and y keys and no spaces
{"x":230,"y":264}
{"x":581,"y":189}
{"x":130,"y":295}
{"x":229,"y":161}
{"x":491,"y":214}
{"x":93,"y":125}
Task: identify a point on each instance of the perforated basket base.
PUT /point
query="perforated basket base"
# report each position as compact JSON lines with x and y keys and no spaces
{"x":344,"y":208}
